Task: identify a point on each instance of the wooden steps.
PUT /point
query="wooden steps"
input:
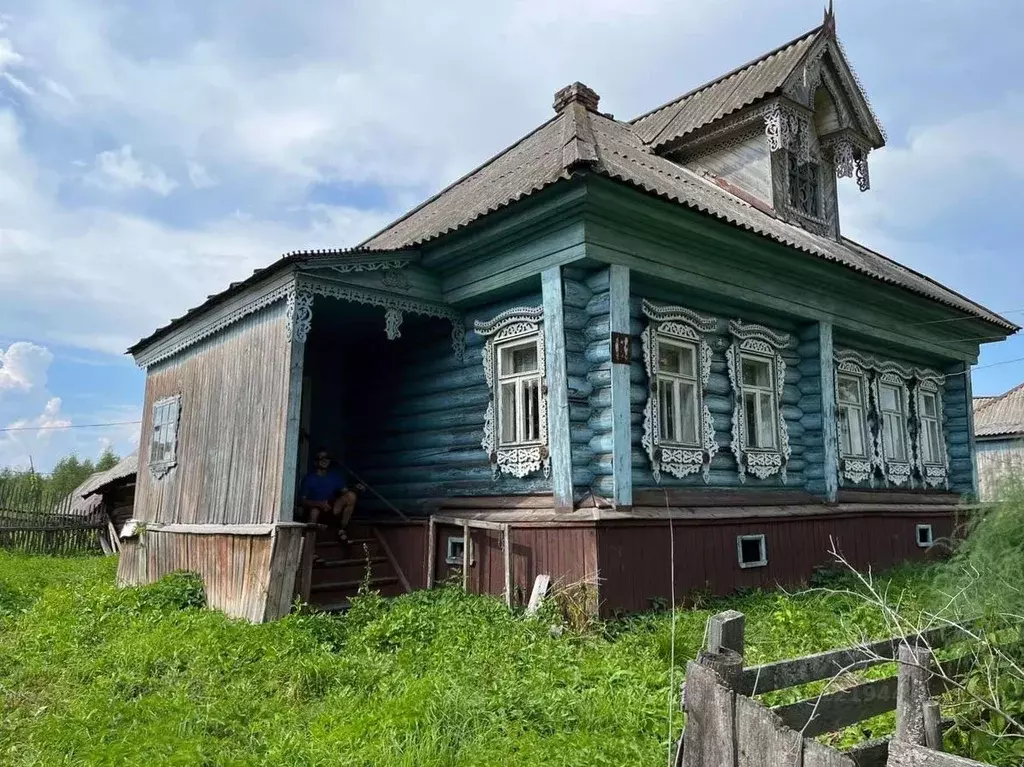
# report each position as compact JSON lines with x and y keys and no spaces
{"x":342,"y":569}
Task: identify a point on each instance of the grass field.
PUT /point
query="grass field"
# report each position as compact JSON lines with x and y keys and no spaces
{"x":93,"y":675}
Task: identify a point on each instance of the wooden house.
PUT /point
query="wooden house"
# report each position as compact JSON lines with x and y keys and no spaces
{"x":999,"y":440}
{"x":611,"y":342}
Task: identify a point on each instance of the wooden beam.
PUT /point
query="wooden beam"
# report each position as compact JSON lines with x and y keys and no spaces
{"x":622,"y":449}
{"x":828,"y":411}
{"x":726,"y":631}
{"x":507,"y":552}
{"x":467,"y":544}
{"x":392,"y":560}
{"x":292,"y":427}
{"x":431,"y":551}
{"x":559,"y":442}
{"x":969,"y":394}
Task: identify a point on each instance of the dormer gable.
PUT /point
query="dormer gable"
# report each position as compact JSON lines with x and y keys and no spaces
{"x":778,"y":131}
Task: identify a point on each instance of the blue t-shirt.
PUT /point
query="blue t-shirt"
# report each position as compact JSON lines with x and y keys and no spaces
{"x":322,"y":487}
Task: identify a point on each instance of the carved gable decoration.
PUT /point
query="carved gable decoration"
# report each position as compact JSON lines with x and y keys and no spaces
{"x":520,"y":446}
{"x":897,"y":397}
{"x":761,"y":447}
{"x":681,"y":330}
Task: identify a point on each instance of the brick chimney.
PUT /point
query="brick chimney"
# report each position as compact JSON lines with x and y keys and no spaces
{"x":576,"y":93}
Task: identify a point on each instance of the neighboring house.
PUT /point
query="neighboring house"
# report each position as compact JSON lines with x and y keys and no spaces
{"x":999,"y":440}
{"x":608,"y":325}
{"x":109,"y":493}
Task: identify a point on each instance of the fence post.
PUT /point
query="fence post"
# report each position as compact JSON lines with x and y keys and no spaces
{"x":912,"y":694}
{"x":932,"y":725}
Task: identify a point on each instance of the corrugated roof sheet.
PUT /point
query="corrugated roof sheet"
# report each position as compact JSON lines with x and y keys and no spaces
{"x":996,"y":416}
{"x":724,"y":95}
{"x":543,"y":158}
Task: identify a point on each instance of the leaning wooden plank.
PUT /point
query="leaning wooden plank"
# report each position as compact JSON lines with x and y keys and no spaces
{"x":212,"y":529}
{"x":464,"y":521}
{"x":825,"y":665}
{"x":761,"y":737}
{"x":710,"y":720}
{"x":540,"y":589}
{"x":819,"y":755}
{"x":836,"y":710}
{"x":392,"y":560}
{"x":911,"y":755}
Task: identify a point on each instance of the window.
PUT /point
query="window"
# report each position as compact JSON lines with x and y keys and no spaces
{"x":930,"y":429}
{"x":758,"y":392}
{"x":804,"y":187}
{"x":924,"y":536}
{"x":751,"y":551}
{"x":852,"y":420}
{"x":894,"y":442}
{"x":519,"y":377}
{"x":677,"y":393}
{"x":456,"y":553}
{"x":163,"y":446}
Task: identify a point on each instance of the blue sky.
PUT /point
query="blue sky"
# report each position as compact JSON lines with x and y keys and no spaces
{"x":153,"y":152}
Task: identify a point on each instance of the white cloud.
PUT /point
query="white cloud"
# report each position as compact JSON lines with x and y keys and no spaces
{"x":20,"y":85}
{"x":119,"y":170}
{"x":23,"y":367}
{"x":200,"y":176}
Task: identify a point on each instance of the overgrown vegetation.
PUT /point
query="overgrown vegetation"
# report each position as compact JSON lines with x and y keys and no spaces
{"x":95,"y":675}
{"x":100,"y":676}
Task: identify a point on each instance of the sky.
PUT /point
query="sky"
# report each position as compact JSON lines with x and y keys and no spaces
{"x":152,"y":152}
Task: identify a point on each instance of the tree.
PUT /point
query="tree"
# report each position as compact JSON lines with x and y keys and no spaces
{"x":108,"y":460}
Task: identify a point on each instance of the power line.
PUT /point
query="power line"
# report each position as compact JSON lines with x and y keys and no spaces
{"x":71,"y":426}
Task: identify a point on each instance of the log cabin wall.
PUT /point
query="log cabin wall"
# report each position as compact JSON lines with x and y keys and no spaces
{"x":407,"y":415}
{"x":231,"y":428}
{"x":957,"y":425}
{"x":811,"y":409}
{"x":724,"y":471}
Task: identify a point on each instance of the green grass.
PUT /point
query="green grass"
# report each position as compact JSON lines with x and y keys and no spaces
{"x":93,"y":675}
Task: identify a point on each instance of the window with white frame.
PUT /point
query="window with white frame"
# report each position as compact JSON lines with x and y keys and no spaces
{"x":163,"y":445}
{"x":804,"y":186}
{"x":759,"y":408}
{"x":519,"y":392}
{"x":852,"y":413}
{"x":930,"y":433}
{"x":925,"y":536}
{"x":894,"y":422}
{"x":678,"y":397}
{"x":751,"y":550}
{"x":456,"y":551}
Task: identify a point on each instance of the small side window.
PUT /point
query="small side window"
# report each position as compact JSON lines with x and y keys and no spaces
{"x":924,"y":536}
{"x":751,"y":551}
{"x":163,"y":443}
{"x":456,"y":551}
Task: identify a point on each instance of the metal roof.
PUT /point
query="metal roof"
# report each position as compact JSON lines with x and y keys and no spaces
{"x":580,"y":139}
{"x":998,"y":416}
{"x":724,"y":95}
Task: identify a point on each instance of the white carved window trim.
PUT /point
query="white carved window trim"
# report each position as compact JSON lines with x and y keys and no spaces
{"x":514,"y":326}
{"x":166,"y":416}
{"x":679,"y":326}
{"x":897,"y":470}
{"x":762,"y":560}
{"x":855,"y":468}
{"x":752,"y":340}
{"x":935,"y":472}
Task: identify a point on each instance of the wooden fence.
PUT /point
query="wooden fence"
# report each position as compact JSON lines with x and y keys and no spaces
{"x":727,"y":727}
{"x":37,"y":523}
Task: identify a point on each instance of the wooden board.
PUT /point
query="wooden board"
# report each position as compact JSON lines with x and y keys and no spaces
{"x":761,"y":738}
{"x":708,"y":740}
{"x":909,"y":755}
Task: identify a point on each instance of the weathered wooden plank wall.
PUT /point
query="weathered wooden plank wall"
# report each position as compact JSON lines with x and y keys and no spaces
{"x":567,"y":553}
{"x":998,"y":461}
{"x":746,"y":164}
{"x":230,"y":449}
{"x":235,"y":568}
{"x":634,"y":557}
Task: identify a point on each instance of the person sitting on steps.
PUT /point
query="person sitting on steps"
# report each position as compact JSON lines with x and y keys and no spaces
{"x":324,"y":491}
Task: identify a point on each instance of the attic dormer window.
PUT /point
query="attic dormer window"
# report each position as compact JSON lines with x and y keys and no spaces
{"x":804,"y":186}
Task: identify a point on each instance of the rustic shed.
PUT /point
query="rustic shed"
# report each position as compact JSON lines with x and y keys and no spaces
{"x":609,"y":331}
{"x":999,"y":437}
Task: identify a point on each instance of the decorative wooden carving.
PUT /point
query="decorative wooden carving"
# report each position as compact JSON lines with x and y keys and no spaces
{"x":684,"y":324}
{"x":515,"y":460}
{"x":764,"y":342}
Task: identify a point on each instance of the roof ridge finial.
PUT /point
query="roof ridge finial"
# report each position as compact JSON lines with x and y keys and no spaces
{"x":829,"y":21}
